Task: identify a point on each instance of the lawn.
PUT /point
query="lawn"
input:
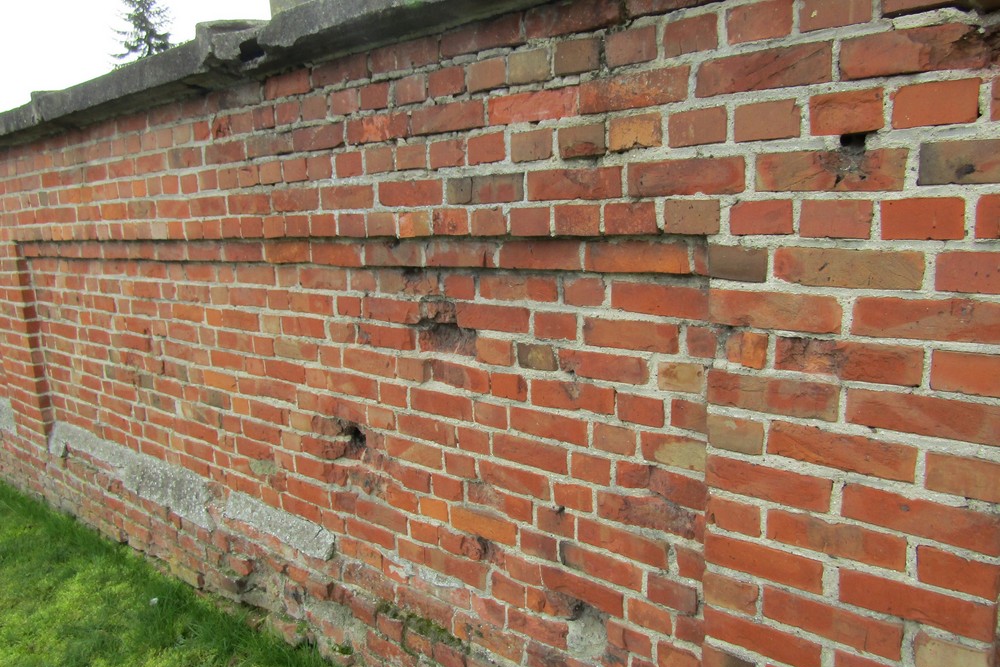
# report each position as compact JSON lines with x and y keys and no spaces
{"x":69,"y":598}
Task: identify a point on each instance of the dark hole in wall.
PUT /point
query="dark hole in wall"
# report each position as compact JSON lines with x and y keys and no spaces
{"x":854,"y":142}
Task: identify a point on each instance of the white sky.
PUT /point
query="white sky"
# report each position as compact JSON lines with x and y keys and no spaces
{"x":54,"y":44}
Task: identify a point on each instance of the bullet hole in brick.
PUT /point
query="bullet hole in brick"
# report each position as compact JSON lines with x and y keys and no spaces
{"x":356,"y":440}
{"x":854,"y":142}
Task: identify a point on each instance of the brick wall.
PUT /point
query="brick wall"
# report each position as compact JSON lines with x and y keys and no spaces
{"x":655,"y":332}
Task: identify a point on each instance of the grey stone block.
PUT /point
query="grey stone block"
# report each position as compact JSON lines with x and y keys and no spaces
{"x":170,"y":486}
{"x":296,"y":532}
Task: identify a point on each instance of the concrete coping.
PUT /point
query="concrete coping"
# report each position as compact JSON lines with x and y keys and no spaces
{"x":225,"y":53}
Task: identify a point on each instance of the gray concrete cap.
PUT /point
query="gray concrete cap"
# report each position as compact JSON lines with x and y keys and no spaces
{"x":225,"y":53}
{"x":309,"y":538}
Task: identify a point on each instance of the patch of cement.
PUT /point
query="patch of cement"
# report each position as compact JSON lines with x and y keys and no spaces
{"x":170,"y":486}
{"x":588,"y":635}
{"x":6,"y":416}
{"x":307,"y":537}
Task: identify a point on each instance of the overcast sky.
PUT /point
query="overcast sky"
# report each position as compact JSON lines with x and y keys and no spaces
{"x":54,"y":44}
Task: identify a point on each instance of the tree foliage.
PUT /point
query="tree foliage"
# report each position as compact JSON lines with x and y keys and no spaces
{"x":147,"y":34}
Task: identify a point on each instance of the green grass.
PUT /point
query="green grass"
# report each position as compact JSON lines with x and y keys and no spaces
{"x":69,"y":598}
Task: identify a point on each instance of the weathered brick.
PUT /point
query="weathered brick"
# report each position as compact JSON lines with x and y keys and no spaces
{"x":947,"y":46}
{"x":763,"y":20}
{"x":936,"y":103}
{"x":690,"y":35}
{"x":762,"y":121}
{"x":782,"y":67}
{"x":857,"y":269}
{"x":633,"y":91}
{"x":687,"y":177}
{"x":964,"y":162}
{"x":847,"y":112}
{"x":835,"y":171}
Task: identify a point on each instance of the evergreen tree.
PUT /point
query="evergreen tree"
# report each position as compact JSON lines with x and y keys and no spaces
{"x":146,"y":35}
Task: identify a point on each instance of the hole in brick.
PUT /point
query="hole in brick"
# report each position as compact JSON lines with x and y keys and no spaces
{"x":854,"y":142}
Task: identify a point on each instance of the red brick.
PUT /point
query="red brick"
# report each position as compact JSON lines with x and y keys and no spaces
{"x":773,"y":216}
{"x":907,"y":602}
{"x":784,"y":67}
{"x":969,"y":478}
{"x":628,"y":47}
{"x":410,"y":193}
{"x":737,"y":263}
{"x":562,"y":184}
{"x":532,"y":106}
{"x":930,"y":651}
{"x":485,"y":525}
{"x":576,"y":56}
{"x":840,"y":540}
{"x":988,"y":217}
{"x":963,"y":162}
{"x":947,"y":46}
{"x":952,"y":525}
{"x":637,"y":257}
{"x":925,"y":319}
{"x":832,"y":171}
{"x":847,"y":112}
{"x":856,"y":269}
{"x":781,"y":646}
{"x":762,"y":121}
{"x":486,"y":148}
{"x":634,"y":90}
{"x":733,"y":516}
{"x":562,"y":19}
{"x":610,"y":569}
{"x":736,"y":435}
{"x":447,"y":81}
{"x":529,"y":66}
{"x":859,"y":632}
{"x":687,"y":177}
{"x":838,"y":219}
{"x":779,"y":486}
{"x":821,"y":14}
{"x":530,"y":146}
{"x":582,"y":141}
{"x":763,"y":20}
{"x":721,"y":591}
{"x":936,"y":103}
{"x":937,"y":218}
{"x":863,"y":362}
{"x":628,"y":218}
{"x":790,"y":312}
{"x":946,"y":570}
{"x":491,"y":34}
{"x":924,"y":415}
{"x":973,"y":272}
{"x":606,"y":599}
{"x":406,"y":56}
{"x":852,"y":453}
{"x":691,"y":216}
{"x":614,"y":368}
{"x":486,"y":75}
{"x":664,"y":300}
{"x":452,"y":117}
{"x":690,"y":35}
{"x":642,"y":131}
{"x":700,"y":126}
{"x":653,"y":512}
